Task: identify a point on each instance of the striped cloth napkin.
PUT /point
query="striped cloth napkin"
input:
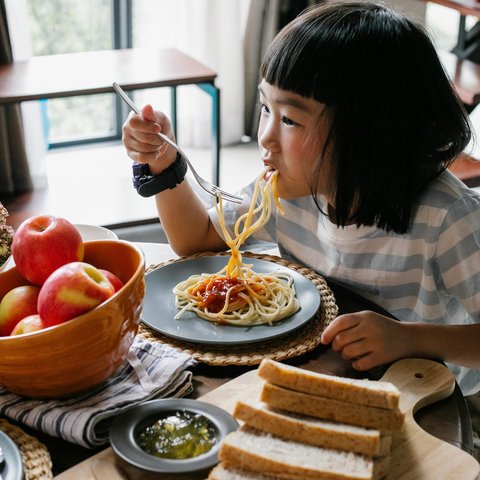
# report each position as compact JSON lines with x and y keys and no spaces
{"x":152,"y":370}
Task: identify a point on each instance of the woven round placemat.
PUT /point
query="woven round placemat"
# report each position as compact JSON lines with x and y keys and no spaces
{"x":296,"y":343}
{"x":37,"y":464}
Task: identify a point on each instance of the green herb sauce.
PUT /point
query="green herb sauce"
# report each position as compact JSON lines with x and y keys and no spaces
{"x":179,"y":436}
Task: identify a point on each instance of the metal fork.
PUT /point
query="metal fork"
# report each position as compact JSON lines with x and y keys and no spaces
{"x":207,"y":186}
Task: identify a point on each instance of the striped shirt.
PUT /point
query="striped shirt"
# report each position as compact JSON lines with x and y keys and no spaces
{"x":431,"y":274}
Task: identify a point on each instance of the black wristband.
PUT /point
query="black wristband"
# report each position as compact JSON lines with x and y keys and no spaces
{"x":147,"y":184}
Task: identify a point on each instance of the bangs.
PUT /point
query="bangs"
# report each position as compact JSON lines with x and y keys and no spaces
{"x":319,"y":52}
{"x":293,"y":59}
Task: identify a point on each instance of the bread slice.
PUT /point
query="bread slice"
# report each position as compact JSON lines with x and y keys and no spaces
{"x":311,"y":430}
{"x":255,"y":451}
{"x":360,"y":392}
{"x":340,"y":411}
{"x":220,"y":472}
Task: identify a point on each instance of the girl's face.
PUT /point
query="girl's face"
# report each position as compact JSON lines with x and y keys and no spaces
{"x":291,"y":136}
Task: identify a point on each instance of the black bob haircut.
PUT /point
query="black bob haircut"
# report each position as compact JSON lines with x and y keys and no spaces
{"x":396,"y":123}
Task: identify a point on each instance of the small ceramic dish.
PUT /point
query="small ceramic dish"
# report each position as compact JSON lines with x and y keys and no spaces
{"x":125,"y":435}
{"x":9,"y":263}
{"x":11,"y":468}
{"x":95,"y":232}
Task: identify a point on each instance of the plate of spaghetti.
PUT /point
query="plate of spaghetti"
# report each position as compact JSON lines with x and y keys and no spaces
{"x":160,"y":309}
{"x":217,"y":299}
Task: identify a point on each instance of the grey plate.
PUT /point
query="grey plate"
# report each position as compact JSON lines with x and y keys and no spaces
{"x":11,"y":468}
{"x":159,"y":308}
{"x":126,"y":428}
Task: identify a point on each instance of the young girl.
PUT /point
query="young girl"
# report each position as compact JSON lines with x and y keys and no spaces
{"x":360,"y":121}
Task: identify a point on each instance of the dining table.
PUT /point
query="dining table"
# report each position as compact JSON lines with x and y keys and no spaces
{"x":468,"y":45}
{"x":447,"y":419}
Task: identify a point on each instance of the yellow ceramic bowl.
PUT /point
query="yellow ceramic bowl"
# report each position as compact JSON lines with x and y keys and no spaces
{"x":79,"y":354}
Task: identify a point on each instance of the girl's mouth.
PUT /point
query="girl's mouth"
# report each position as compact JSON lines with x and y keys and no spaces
{"x":269,"y":173}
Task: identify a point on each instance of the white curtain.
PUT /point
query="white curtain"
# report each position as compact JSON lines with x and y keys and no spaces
{"x":262,"y":25}
{"x":35,"y":143}
{"x":211,"y":31}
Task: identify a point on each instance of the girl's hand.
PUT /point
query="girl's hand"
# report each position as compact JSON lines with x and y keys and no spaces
{"x":368,"y":339}
{"x":142,"y":143}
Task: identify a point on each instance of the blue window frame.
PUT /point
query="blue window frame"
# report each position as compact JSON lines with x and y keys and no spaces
{"x":65,"y":26}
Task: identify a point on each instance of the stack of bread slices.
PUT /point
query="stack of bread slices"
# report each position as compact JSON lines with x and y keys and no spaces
{"x":309,"y":425}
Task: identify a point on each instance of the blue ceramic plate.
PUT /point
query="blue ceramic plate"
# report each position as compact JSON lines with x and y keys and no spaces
{"x":126,"y":428}
{"x":11,"y":468}
{"x":159,"y":308}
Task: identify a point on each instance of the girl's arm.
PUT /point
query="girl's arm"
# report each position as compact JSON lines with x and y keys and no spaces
{"x":182,"y":214}
{"x":370,"y":339}
{"x":186,"y":221}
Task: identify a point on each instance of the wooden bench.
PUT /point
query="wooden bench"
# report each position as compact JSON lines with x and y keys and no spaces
{"x":467,"y":169}
{"x":112,"y":203}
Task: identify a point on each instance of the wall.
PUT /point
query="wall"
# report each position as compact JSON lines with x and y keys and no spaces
{"x":413,"y":8}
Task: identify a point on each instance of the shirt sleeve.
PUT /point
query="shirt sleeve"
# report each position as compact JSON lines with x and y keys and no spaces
{"x":458,"y":253}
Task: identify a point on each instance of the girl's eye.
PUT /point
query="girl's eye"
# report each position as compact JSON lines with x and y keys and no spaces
{"x":264,"y":108}
{"x":288,"y":122}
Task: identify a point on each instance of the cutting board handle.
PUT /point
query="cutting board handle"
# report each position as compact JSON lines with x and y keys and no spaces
{"x":415,"y":453}
{"x":421,"y":382}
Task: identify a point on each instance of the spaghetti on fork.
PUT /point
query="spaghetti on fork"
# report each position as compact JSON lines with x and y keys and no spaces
{"x":237,"y":295}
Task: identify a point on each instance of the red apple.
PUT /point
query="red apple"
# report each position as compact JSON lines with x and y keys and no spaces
{"x":114,"y":280}
{"x":44,"y":243}
{"x":29,"y":324}
{"x":71,"y":290}
{"x":18,"y":303}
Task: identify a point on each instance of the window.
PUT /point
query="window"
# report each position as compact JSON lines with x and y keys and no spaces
{"x":67,"y":26}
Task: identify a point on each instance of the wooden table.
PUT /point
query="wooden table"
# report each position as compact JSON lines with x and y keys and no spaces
{"x":465,"y":7}
{"x":468,"y":41}
{"x":88,"y":73}
{"x":447,"y":419}
{"x":462,"y":63}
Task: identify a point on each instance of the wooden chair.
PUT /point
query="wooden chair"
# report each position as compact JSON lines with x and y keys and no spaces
{"x":465,"y":76}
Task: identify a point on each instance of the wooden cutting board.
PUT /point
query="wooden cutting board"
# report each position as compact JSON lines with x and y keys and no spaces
{"x":416,"y":455}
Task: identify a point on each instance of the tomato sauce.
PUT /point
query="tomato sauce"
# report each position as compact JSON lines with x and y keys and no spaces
{"x":214,"y":293}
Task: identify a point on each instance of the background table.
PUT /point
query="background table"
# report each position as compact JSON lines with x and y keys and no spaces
{"x":88,"y":73}
{"x":468,"y":41}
